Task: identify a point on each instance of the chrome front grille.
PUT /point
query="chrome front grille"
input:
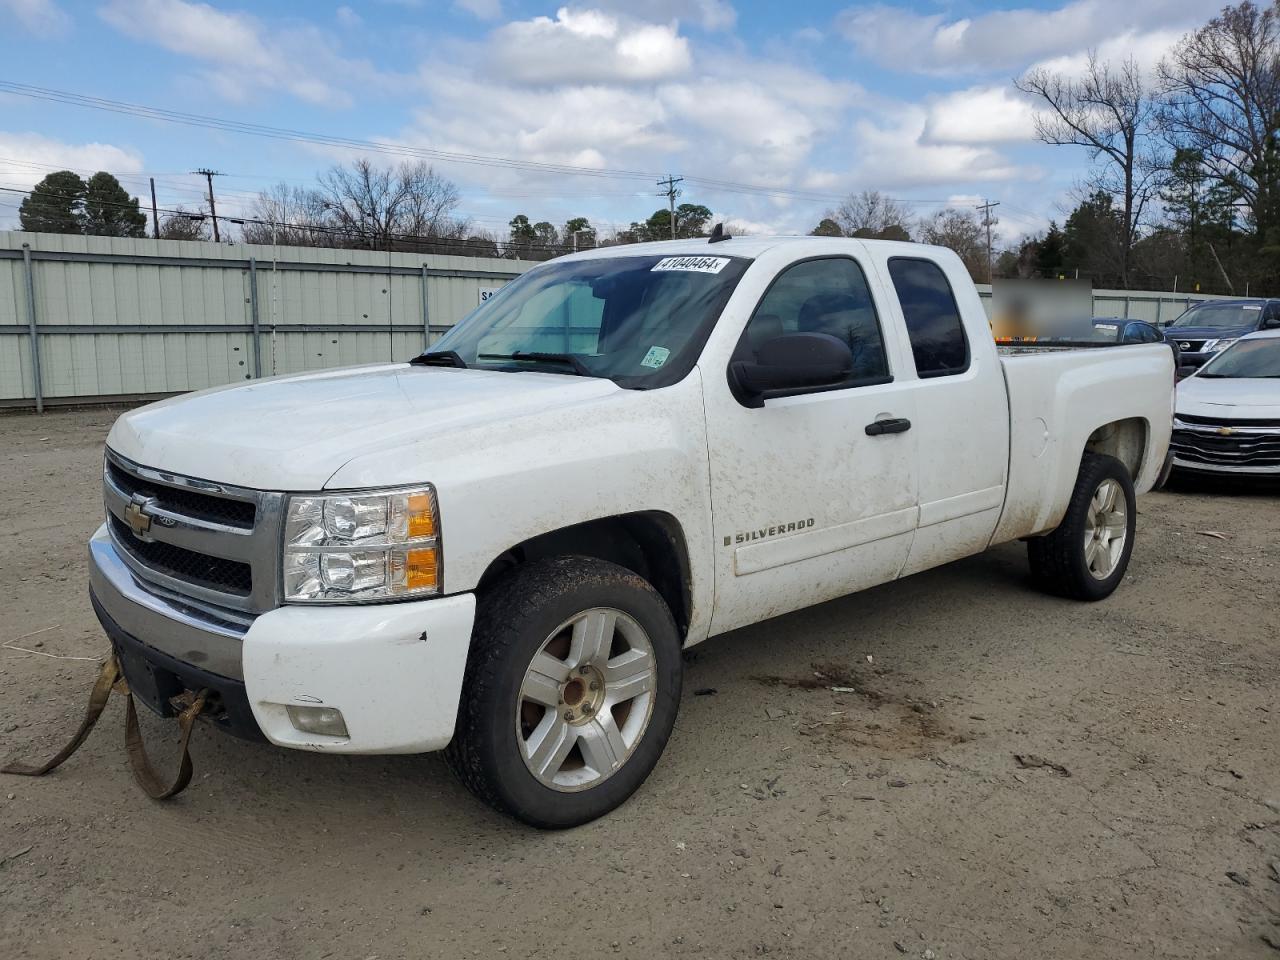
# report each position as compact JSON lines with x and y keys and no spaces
{"x":213,"y":543}
{"x":1251,"y":447}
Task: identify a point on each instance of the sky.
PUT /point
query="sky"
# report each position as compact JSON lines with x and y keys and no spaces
{"x":787,"y":106}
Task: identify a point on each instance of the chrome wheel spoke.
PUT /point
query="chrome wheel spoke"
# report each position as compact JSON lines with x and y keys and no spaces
{"x":602,"y":745}
{"x":543,"y":679}
{"x":549,"y":744}
{"x":592,"y":637}
{"x":629,"y":675}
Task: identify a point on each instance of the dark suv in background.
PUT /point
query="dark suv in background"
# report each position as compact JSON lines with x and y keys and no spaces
{"x":1211,"y":326}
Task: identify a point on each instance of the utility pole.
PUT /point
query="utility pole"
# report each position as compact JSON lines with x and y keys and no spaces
{"x":671,"y":193}
{"x":988,"y":221}
{"x":213,"y":211}
{"x":155,"y":214}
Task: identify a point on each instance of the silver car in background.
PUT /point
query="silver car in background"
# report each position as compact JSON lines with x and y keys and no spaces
{"x":1227,"y":414}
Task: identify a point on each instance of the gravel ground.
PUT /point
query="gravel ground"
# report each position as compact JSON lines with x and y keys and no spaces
{"x":785,"y":820}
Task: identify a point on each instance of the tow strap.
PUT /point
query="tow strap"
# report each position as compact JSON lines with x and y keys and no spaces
{"x":111,"y":678}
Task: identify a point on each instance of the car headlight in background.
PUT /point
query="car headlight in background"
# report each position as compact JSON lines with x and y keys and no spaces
{"x":362,"y":545}
{"x":1217,"y":346}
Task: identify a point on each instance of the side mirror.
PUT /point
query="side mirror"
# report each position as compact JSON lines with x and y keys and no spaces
{"x":793,"y":361}
{"x":1271,"y":323}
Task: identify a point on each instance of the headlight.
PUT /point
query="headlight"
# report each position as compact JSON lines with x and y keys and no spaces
{"x":1217,"y":346}
{"x":365,"y":545}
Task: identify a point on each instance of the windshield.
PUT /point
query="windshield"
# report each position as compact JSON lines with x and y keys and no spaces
{"x":1246,"y":358}
{"x":639,"y":321}
{"x":1223,"y":315}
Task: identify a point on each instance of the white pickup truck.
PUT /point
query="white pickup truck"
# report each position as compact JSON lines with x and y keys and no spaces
{"x":500,"y":547}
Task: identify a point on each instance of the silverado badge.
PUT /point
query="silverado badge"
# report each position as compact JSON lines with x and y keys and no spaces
{"x":1225,"y":431}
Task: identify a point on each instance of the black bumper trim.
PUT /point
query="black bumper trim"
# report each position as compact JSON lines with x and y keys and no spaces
{"x":154,"y":677}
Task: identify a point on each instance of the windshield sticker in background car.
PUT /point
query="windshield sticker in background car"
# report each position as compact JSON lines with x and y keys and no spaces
{"x":695,"y":264}
{"x":1106,"y":327}
{"x":1247,"y":307}
{"x":656,"y":356}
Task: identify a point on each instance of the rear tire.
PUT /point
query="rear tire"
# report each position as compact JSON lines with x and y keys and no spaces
{"x":1086,"y":557}
{"x":570,"y":692}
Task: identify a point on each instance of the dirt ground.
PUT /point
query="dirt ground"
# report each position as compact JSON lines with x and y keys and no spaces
{"x":785,"y":820}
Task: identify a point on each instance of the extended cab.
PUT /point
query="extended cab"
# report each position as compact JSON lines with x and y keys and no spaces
{"x":501,"y":546}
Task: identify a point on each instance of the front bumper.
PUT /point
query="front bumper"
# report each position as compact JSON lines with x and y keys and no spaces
{"x":394,"y":670}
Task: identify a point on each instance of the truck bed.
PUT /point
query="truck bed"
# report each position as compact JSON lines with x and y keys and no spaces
{"x":1054,"y":391}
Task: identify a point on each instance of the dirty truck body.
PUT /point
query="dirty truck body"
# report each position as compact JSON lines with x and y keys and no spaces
{"x":501,"y":547}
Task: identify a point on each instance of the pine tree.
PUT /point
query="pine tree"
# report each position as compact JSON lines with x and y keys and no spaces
{"x":109,"y":211}
{"x":55,"y":205}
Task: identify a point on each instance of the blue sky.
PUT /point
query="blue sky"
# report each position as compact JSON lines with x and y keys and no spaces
{"x":792,"y":104}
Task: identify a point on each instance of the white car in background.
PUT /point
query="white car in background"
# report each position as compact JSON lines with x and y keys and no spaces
{"x":1227,"y":414}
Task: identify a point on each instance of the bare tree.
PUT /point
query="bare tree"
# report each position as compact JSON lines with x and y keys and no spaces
{"x":871,"y":214}
{"x":293,"y":216}
{"x":184,"y":224}
{"x":1111,"y":112}
{"x":958,"y":230}
{"x":380,"y":207}
{"x":1222,"y":89}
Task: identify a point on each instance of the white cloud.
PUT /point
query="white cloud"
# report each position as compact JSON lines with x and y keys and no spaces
{"x":44,"y":18}
{"x":587,"y":46}
{"x":1145,"y":49}
{"x":979,"y":115}
{"x":894,"y":155}
{"x":1008,"y":39}
{"x":27,"y":158}
{"x":481,"y":9}
{"x":244,"y":56}
{"x":708,"y":14}
{"x":348,"y":18}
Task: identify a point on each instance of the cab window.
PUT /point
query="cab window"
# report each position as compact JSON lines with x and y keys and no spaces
{"x":827,"y":295}
{"x":938,"y":342}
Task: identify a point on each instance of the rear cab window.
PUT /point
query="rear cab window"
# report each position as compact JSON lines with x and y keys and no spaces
{"x":939,"y":344}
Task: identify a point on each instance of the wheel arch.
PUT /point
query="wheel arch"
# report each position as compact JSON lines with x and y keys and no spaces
{"x":1125,"y":439}
{"x":650,"y":543}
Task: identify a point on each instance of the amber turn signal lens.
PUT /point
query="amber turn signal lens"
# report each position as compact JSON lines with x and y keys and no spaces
{"x":422,"y":520}
{"x":421,"y":569}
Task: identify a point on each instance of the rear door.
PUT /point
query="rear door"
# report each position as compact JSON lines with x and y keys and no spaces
{"x":961,"y":421}
{"x":806,"y":504}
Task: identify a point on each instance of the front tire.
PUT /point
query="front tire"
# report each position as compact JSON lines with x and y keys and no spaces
{"x":1085,"y":558}
{"x":570,"y":692}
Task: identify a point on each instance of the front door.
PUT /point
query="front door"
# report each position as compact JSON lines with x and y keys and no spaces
{"x":806,"y":504}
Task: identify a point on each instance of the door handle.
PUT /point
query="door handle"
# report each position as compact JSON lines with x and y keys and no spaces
{"x":894,"y":425}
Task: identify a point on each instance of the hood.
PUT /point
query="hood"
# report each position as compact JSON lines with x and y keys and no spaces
{"x":1207,"y":333}
{"x":295,"y":432}
{"x":1243,"y":398}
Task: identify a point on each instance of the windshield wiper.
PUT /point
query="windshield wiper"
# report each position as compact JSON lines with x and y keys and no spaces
{"x":565,"y":359}
{"x":439,"y":358}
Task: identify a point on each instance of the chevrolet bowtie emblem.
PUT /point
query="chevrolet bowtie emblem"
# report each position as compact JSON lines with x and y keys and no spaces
{"x":136,"y":517}
{"x":1225,"y":431}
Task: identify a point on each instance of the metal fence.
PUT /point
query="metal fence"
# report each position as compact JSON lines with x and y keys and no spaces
{"x":88,"y":319}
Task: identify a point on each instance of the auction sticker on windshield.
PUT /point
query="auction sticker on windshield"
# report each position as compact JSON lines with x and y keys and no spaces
{"x":656,"y":357}
{"x":694,"y":264}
